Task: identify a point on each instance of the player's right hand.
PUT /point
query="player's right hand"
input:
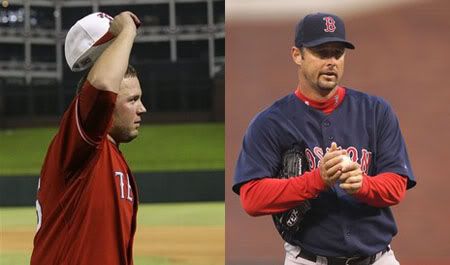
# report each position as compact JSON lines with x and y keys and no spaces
{"x":351,"y":178}
{"x":124,"y":21}
{"x":330,"y":165}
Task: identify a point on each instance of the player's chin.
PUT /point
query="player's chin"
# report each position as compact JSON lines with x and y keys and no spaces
{"x":131,"y":136}
{"x":134,"y":134}
{"x":327,"y":86}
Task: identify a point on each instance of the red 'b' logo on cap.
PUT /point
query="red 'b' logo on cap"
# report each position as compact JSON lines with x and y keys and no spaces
{"x":330,"y":24}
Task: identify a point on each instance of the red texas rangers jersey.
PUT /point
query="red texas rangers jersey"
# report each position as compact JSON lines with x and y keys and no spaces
{"x":87,"y":197}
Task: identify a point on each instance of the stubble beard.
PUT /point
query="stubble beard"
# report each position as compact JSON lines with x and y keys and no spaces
{"x":123,"y":134}
{"x":129,"y":135}
{"x":322,"y":87}
{"x":317,"y":83}
{"x":326,"y":86}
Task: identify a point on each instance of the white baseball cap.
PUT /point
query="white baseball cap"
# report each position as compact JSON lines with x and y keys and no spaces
{"x":86,"y":40}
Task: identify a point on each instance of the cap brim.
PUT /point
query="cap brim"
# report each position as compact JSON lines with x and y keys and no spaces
{"x":314,"y":43}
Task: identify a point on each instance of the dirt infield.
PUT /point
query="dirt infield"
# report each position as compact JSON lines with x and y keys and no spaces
{"x":401,"y":54}
{"x":183,"y":245}
{"x":167,"y":234}
{"x":176,"y":245}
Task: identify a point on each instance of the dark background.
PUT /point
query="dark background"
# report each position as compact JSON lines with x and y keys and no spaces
{"x":179,"y":55}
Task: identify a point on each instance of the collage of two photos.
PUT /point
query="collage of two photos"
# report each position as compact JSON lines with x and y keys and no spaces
{"x":213,"y":132}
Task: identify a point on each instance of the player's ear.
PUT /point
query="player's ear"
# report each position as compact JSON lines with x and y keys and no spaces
{"x":296,"y":55}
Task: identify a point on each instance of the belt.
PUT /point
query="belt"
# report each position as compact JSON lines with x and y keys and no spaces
{"x":357,"y":260}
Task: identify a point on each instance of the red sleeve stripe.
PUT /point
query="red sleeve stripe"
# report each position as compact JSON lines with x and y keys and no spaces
{"x":80,"y":130}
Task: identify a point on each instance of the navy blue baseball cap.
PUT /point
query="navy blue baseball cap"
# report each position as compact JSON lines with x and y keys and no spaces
{"x":319,"y":28}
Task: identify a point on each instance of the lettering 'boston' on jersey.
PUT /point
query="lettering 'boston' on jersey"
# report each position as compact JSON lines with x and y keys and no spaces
{"x":337,"y":223}
{"x":87,"y":196}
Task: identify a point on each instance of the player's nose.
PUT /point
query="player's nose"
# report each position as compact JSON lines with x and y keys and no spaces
{"x":331,"y":62}
{"x":141,"y":109}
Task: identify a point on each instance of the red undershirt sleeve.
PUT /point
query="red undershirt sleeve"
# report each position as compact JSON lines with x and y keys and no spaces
{"x":272,"y":195}
{"x":382,"y":190}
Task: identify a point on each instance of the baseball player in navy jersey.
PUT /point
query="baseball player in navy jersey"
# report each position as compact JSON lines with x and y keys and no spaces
{"x":356,"y":156}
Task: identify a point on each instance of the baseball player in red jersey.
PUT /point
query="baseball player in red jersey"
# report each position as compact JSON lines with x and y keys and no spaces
{"x":87,"y":197}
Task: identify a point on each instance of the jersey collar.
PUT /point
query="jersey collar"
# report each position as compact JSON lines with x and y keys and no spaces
{"x":325,"y":106}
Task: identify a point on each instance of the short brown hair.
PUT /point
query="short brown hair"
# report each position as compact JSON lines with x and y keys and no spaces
{"x":131,"y":72}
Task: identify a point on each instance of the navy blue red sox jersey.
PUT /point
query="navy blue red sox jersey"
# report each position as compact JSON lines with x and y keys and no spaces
{"x":337,"y":223}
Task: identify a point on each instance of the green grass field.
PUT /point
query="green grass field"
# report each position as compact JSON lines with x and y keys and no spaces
{"x":167,"y":234}
{"x":158,"y":148}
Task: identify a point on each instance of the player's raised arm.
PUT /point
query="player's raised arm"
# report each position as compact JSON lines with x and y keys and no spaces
{"x":103,"y":44}
{"x":109,"y":69}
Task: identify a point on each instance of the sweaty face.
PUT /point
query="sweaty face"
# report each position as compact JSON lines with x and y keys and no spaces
{"x":322,"y":66}
{"x":128,"y":111}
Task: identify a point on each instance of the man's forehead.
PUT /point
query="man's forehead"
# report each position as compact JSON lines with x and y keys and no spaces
{"x":130,"y":86}
{"x":130,"y":80}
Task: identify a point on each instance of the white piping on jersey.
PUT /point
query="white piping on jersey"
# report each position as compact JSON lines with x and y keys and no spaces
{"x":80,"y":130}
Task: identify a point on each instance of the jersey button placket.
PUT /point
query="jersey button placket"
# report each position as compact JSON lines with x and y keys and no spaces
{"x":326,"y":131}
{"x":347,"y":233}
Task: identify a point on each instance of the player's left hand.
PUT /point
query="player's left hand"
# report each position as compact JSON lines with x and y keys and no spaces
{"x":351,"y":178}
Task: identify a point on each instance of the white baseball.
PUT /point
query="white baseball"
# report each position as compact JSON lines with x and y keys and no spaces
{"x":346,"y":161}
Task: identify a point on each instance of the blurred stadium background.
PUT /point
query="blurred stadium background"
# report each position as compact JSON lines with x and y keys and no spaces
{"x":178,"y":159}
{"x":179,"y":53}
